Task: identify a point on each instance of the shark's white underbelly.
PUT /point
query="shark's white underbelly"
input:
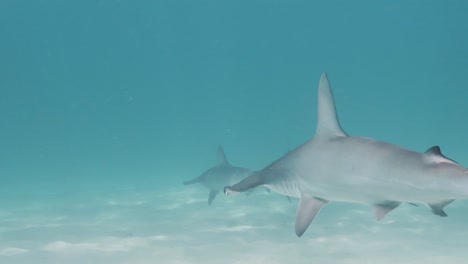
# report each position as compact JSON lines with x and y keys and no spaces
{"x":368,"y":194}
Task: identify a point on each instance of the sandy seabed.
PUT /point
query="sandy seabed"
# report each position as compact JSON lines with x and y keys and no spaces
{"x":176,"y":226}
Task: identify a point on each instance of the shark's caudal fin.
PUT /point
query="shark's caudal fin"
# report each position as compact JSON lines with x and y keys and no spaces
{"x":246,"y":184}
{"x":327,"y":119}
{"x":222,"y":157}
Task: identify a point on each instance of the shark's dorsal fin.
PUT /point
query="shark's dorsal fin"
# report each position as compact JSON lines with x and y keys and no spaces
{"x":327,"y":120}
{"x":221,"y":157}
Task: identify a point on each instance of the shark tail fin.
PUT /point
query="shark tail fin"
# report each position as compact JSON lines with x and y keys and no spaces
{"x":246,"y":184}
{"x":192,"y":181}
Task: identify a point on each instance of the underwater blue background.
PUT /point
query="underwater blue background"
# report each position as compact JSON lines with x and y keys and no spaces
{"x":103,"y":100}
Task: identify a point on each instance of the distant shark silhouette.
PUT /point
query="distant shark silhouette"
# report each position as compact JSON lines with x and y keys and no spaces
{"x":333,"y":166}
{"x":222,"y":174}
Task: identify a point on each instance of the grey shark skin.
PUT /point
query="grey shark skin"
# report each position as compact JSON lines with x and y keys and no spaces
{"x":222,"y":174}
{"x":333,"y":166}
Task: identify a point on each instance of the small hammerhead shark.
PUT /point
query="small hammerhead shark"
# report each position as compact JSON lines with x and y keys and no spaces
{"x":333,"y":166}
{"x":222,"y":174}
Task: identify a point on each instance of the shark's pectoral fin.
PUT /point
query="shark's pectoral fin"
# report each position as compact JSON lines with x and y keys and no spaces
{"x":306,"y":212}
{"x":213,"y":194}
{"x":438,"y":208}
{"x":382,"y":209}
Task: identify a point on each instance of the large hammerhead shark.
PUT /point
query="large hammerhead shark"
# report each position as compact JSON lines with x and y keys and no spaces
{"x":333,"y":166}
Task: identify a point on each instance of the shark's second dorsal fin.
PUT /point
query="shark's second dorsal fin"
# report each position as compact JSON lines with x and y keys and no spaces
{"x":327,"y":120}
{"x":221,"y":157}
{"x":435,"y":151}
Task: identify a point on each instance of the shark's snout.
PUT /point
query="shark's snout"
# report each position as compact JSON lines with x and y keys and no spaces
{"x":229,"y":191}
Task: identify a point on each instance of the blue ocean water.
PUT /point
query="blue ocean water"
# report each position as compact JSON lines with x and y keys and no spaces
{"x":106,"y":107}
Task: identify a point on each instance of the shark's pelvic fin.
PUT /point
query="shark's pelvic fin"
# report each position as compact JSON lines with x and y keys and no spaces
{"x":327,"y":119}
{"x":213,"y":194}
{"x":438,"y":208}
{"x":222,"y":157}
{"x":382,"y":209}
{"x":306,"y":212}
